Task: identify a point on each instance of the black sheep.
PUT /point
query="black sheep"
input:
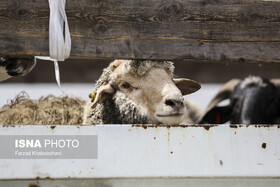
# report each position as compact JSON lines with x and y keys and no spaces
{"x":253,"y":100}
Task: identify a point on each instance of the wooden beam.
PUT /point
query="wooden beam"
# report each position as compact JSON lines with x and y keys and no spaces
{"x":202,"y":30}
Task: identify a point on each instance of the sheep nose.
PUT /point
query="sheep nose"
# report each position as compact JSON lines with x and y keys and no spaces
{"x":175,"y":104}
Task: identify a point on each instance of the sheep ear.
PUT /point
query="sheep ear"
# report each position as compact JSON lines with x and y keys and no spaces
{"x":186,"y":86}
{"x":217,"y":115}
{"x":103,"y":93}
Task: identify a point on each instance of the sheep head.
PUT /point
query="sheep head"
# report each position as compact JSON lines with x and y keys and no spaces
{"x":149,"y":86}
{"x":15,"y":66}
{"x":253,"y":100}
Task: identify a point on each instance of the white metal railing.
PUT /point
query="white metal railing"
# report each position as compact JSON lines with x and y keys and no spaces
{"x":156,"y":151}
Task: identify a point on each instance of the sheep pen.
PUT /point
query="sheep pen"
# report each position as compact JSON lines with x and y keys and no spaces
{"x":128,"y":92}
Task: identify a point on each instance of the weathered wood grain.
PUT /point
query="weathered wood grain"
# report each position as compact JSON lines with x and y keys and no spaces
{"x":208,"y":30}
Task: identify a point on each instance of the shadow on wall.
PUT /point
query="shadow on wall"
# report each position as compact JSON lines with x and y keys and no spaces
{"x":81,"y":70}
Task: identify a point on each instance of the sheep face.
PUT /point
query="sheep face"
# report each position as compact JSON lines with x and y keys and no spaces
{"x":148,"y":86}
{"x":254,"y":100}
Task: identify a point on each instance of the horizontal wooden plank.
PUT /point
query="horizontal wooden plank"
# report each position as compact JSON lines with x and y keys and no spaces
{"x":208,"y":30}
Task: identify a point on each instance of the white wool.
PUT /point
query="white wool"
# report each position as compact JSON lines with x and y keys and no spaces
{"x":135,"y":67}
{"x":126,"y":105}
{"x":139,"y":67}
{"x":252,"y":80}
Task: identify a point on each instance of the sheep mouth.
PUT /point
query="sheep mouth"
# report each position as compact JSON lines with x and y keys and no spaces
{"x":170,"y":115}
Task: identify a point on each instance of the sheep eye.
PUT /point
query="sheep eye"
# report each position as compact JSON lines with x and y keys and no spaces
{"x":126,"y":85}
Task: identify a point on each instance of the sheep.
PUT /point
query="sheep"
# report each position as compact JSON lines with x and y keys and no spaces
{"x":128,"y":92}
{"x":253,"y":100}
{"x":11,"y":67}
{"x":135,"y":91}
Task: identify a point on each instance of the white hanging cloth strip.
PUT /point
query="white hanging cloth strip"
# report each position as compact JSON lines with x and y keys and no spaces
{"x":59,"y":46}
